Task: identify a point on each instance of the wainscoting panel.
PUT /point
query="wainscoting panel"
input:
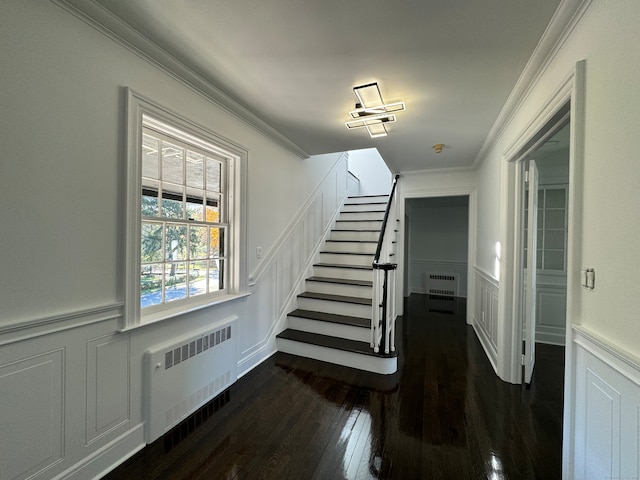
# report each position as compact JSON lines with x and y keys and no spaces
{"x":485,"y":314}
{"x":606,"y":439}
{"x":32,"y":414}
{"x":282,"y":272}
{"x":107,"y":384}
{"x":550,"y":314}
{"x":64,"y":393}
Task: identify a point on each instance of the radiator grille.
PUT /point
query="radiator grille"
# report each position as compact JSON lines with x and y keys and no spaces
{"x":445,"y":284}
{"x":195,"y":347}
{"x":183,"y":376}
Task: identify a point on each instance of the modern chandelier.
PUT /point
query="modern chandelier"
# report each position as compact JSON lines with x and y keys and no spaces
{"x":371,"y":112}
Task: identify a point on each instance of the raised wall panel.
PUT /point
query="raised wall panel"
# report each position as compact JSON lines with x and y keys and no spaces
{"x":31,"y":415}
{"x":485,"y":314}
{"x":602,"y":425}
{"x":107,"y":385}
{"x":606,"y":436}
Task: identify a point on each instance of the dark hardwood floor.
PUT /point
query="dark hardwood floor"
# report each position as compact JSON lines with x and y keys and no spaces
{"x":444,"y":415}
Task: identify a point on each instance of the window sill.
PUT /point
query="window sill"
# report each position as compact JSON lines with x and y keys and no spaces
{"x":170,"y":313}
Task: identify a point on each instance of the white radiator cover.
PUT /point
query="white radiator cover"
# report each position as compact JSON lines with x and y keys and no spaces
{"x":442,"y":284}
{"x":184,"y":374}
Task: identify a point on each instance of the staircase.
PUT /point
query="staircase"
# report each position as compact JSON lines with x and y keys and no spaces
{"x":333,"y":320}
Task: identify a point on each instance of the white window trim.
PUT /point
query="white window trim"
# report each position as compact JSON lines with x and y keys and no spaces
{"x":136,"y":107}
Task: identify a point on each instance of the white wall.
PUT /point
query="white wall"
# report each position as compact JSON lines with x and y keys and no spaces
{"x":71,"y":383}
{"x":369,"y":167}
{"x":608,"y":228}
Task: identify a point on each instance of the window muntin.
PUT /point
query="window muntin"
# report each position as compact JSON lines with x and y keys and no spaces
{"x":551,"y":253}
{"x":184,"y":221}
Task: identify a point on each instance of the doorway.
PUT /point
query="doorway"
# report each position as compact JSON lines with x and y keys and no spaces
{"x":544,"y":234}
{"x":436,"y":246}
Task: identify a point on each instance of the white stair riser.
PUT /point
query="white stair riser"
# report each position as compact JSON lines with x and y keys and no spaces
{"x":339,"y":289}
{"x":355,"y":235}
{"x":339,"y":308}
{"x":346,"y":259}
{"x":346,"y":273}
{"x":339,"y":357}
{"x":351,"y":247}
{"x":361,"y":207}
{"x":351,"y":225}
{"x":369,"y":199}
{"x":332,"y":329}
{"x":361,"y":216}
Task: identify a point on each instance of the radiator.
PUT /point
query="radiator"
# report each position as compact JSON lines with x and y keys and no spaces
{"x":186,"y":373}
{"x":442,"y":284}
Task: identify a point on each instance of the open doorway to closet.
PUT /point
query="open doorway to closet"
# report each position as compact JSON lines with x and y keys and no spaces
{"x":436,"y":250}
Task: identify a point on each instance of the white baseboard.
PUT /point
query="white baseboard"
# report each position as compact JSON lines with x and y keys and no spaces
{"x":486,"y":345}
{"x":102,"y":461}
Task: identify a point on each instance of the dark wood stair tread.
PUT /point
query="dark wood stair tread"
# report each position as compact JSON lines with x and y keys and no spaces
{"x":333,"y":252}
{"x":332,"y":318}
{"x":359,"y":219}
{"x":352,"y":241}
{"x":327,"y":341}
{"x":335,"y":298}
{"x":342,"y":265}
{"x":341,"y":281}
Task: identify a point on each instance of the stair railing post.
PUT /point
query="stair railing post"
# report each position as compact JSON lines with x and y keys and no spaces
{"x":385,"y":336}
{"x":381,"y":327}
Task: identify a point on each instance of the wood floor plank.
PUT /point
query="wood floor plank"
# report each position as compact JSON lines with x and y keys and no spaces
{"x":444,"y":415}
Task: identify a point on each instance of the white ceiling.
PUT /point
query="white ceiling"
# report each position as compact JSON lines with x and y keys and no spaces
{"x":293,"y":63}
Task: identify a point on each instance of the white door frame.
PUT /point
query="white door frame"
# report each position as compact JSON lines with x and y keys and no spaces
{"x":572,"y":89}
{"x":471,"y":235}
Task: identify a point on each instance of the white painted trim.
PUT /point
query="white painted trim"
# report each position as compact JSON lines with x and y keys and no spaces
{"x":432,"y":171}
{"x":270,"y":256}
{"x":596,"y":361}
{"x":136,"y":107}
{"x":622,"y":361}
{"x":402,"y":197}
{"x":509,"y":334}
{"x":488,"y":348}
{"x":487,"y":276}
{"x":266,"y":347}
{"x":102,"y":461}
{"x":38,"y":327}
{"x":98,"y":17}
{"x":562,"y":24}
{"x":369,"y":363}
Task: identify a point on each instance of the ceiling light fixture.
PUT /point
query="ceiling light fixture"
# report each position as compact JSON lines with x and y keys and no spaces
{"x":371,"y":112}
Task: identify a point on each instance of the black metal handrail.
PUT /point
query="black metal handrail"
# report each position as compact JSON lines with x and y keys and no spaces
{"x":376,"y":258}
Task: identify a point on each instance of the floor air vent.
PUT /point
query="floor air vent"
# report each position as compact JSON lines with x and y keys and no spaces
{"x":183,"y":376}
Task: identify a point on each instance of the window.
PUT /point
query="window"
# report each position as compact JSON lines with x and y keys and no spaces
{"x":184,"y":215}
{"x":551,"y":241}
{"x":184,"y":221}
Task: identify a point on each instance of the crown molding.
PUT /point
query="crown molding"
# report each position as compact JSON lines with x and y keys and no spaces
{"x":566,"y":17}
{"x":119,"y":31}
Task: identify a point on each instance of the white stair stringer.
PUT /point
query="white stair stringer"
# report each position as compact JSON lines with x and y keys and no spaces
{"x":369,"y":363}
{"x":332,"y":322}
